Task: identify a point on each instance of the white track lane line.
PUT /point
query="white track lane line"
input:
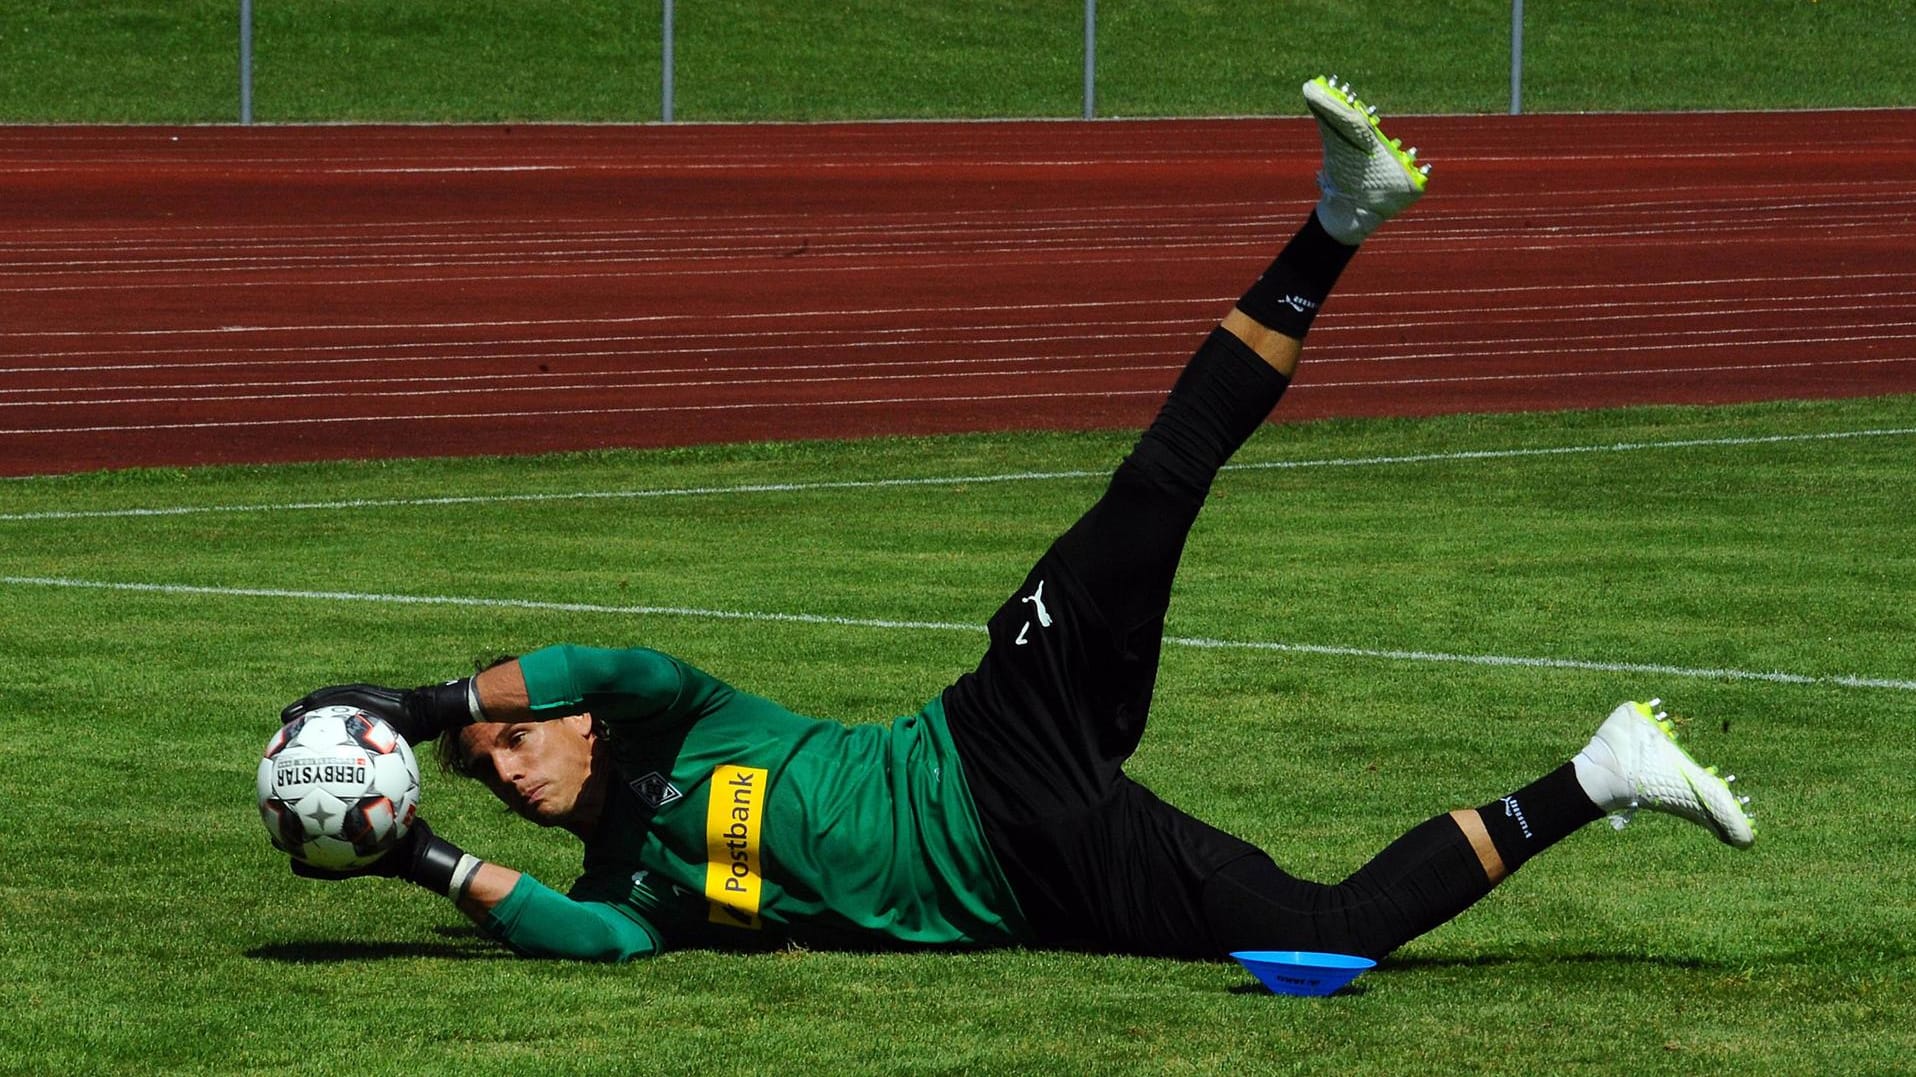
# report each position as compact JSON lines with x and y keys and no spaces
{"x":680,"y":273}
{"x":1346,"y":301}
{"x":775,"y":372}
{"x":884,"y":624}
{"x":1045,"y":368}
{"x":867,"y":238}
{"x":803,"y":163}
{"x":1531,"y":200}
{"x":1327,"y":344}
{"x":171,"y":250}
{"x":843,"y":256}
{"x":920,"y":400}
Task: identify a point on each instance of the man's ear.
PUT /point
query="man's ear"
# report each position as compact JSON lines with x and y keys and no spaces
{"x":581,"y":725}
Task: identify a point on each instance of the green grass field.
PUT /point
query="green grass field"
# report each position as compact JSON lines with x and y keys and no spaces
{"x":599,"y":60}
{"x":148,"y":927}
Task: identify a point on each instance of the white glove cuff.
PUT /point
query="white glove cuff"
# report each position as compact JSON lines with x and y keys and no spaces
{"x":462,"y":874}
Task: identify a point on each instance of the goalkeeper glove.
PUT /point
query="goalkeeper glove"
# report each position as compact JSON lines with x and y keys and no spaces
{"x":417,"y":714}
{"x":421,"y":857}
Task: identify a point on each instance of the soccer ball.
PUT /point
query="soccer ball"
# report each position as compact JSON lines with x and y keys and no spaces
{"x":337,"y":788}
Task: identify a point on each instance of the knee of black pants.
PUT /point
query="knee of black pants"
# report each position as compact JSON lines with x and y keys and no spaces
{"x":1252,"y":904}
{"x":1222,"y":396}
{"x":1125,"y":550}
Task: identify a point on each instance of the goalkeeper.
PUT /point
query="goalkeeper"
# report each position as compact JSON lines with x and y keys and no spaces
{"x":999,"y":813}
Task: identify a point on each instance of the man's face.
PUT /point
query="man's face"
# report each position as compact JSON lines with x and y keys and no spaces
{"x":541,"y":770}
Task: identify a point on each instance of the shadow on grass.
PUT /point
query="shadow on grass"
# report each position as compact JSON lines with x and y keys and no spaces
{"x":1350,"y":990}
{"x":458,"y":946}
{"x":1665,"y":961}
{"x":1413,"y":964}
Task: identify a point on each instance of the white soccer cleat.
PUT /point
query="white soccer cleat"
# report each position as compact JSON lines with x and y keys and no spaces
{"x":1367,"y":177}
{"x":1634,"y":762}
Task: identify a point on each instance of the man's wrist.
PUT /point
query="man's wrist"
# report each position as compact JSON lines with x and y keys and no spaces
{"x":436,"y":863}
{"x":445,"y":707}
{"x":462,"y":875}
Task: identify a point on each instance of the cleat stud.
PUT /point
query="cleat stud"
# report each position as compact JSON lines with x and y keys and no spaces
{"x":1412,"y":152}
{"x":1424,"y":171}
{"x":1654,"y":703}
{"x":1711,"y":771}
{"x":1745,"y":801}
{"x":1729,"y":779}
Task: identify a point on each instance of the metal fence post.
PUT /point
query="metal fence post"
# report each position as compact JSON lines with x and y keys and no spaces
{"x":1516,"y":57}
{"x":246,"y":61}
{"x":1090,"y":58}
{"x":665,"y":87}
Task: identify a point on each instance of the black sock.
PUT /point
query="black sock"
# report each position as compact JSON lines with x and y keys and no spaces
{"x":1537,"y":816}
{"x":1287,"y":297}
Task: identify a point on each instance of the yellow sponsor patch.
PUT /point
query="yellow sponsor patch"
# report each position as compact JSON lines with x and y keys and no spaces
{"x":732,"y":820}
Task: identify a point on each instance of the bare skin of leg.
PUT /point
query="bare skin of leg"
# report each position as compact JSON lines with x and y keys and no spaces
{"x":1272,"y":346}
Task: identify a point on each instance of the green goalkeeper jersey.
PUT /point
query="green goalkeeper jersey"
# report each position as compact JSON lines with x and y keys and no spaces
{"x":735,"y":823}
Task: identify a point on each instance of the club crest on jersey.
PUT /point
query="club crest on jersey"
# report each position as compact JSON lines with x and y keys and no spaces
{"x":654,"y":790}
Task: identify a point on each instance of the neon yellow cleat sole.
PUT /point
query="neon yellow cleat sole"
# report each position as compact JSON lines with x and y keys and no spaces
{"x":1367,"y":177}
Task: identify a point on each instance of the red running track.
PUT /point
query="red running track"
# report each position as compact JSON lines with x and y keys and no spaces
{"x":206,"y":295}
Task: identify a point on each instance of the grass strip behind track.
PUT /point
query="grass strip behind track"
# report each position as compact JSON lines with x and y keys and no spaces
{"x":596,"y":60}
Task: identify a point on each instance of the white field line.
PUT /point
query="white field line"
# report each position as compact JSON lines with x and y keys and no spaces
{"x":1346,"y":300}
{"x":921,"y":400}
{"x":946,"y":480}
{"x":884,"y":624}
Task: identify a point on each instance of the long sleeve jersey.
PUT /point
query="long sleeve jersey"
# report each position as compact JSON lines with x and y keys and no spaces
{"x":734,"y":823}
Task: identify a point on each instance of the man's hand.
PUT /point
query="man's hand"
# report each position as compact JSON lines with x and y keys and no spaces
{"x":421,"y":857}
{"x":418,"y":714}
